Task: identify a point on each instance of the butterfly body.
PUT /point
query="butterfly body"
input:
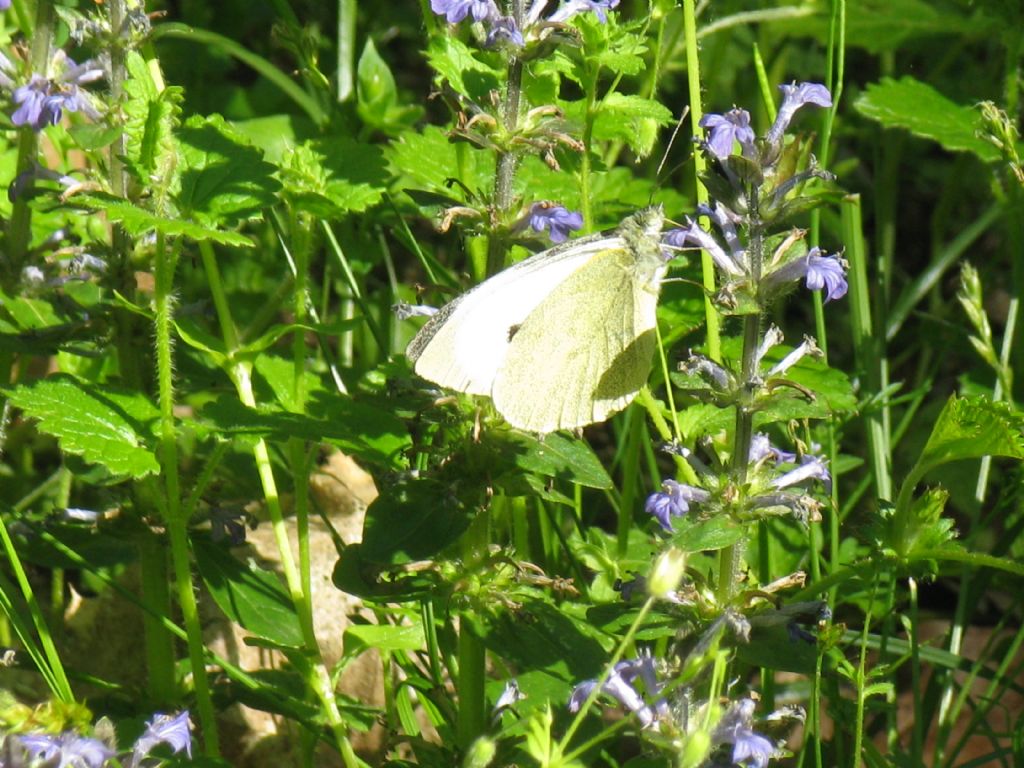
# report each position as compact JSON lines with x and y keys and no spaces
{"x":560,"y":340}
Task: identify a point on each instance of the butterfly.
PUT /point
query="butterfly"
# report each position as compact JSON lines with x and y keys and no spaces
{"x":559,"y":340}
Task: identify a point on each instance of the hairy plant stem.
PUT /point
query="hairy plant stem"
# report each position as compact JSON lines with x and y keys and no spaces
{"x":177,"y":522}
{"x":240,"y":371}
{"x":19,"y":227}
{"x":731,"y":557}
{"x":508,"y":159}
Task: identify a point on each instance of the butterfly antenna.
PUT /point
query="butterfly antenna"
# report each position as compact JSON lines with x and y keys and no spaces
{"x":671,"y":140}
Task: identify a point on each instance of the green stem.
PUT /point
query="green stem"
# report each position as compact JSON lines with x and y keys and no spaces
{"x":508,"y":158}
{"x":472,"y":670}
{"x":177,"y":524}
{"x":626,"y":642}
{"x":48,"y":660}
{"x":712,"y":320}
{"x":865,"y":345}
{"x":19,"y":228}
{"x":346,"y":69}
{"x":240,"y":372}
{"x":158,"y":643}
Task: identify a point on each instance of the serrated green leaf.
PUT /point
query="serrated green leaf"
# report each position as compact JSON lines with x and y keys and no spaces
{"x":455,"y":63}
{"x":630,"y":118}
{"x":972,"y":428}
{"x":103,"y":424}
{"x":224,"y":179}
{"x":428,"y":161}
{"x":151,"y":115}
{"x":335,"y":177}
{"x":922,"y":110}
{"x":138,"y":222}
{"x":249,"y":595}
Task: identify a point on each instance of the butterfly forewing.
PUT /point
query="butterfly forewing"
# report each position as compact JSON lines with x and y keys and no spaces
{"x":463,"y":346}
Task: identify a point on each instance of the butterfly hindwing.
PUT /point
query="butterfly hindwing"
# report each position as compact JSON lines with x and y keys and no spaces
{"x":585,"y":350}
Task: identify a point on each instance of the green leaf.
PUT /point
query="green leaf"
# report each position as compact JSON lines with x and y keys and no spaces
{"x":560,"y":457}
{"x":376,"y":85}
{"x":428,"y":161}
{"x":335,"y":177}
{"x":922,"y":110}
{"x":717,"y":533}
{"x":138,"y":221}
{"x":541,"y":636}
{"x":412,"y":520}
{"x":368,"y":433}
{"x":104,"y":424}
{"x":886,"y":25}
{"x":377,"y":96}
{"x":224,"y":179}
{"x":972,"y":428}
{"x":383,"y":637}
{"x":92,"y":136}
{"x":151,"y":115}
{"x":249,"y":595}
{"x":633,"y":119}
{"x":455,"y":63}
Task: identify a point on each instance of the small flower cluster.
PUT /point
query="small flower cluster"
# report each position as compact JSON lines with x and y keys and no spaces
{"x":769,"y":487}
{"x":72,"y":750}
{"x":752,"y":183}
{"x":620,"y":685}
{"x":44,"y":99}
{"x":504,"y":30}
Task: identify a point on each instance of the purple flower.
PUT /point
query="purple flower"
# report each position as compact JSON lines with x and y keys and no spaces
{"x":42,"y":101}
{"x":795,"y":96}
{"x":572,"y":7}
{"x":752,"y":749}
{"x":68,"y":749}
{"x":557,"y":220}
{"x":807,"y":347}
{"x":456,"y":10}
{"x":673,"y":500}
{"x":825,"y":272}
{"x":164,"y":729}
{"x":819,"y":272}
{"x":509,"y":696}
{"x":5,"y":5}
{"x":736,"y":728}
{"x":26,"y":179}
{"x":618,"y":687}
{"x":694,"y":234}
{"x":811,"y":468}
{"x":504,"y":30}
{"x":723,"y":130}
{"x":31,"y":101}
{"x":761,"y":448}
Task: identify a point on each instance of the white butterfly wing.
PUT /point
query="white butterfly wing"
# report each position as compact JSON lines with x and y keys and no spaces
{"x":586,"y":350}
{"x":464,"y":345}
